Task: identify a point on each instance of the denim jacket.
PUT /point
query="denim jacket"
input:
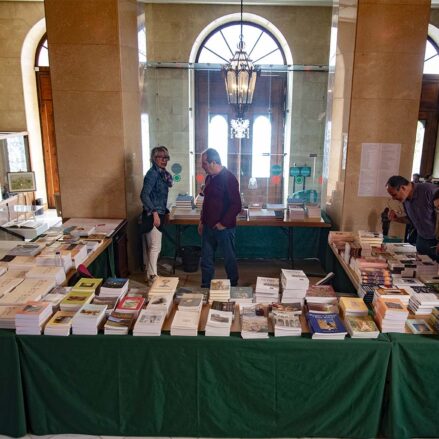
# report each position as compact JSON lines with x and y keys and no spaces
{"x":154,"y":193}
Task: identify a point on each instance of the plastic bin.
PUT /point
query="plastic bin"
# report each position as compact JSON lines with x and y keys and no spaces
{"x":190,"y":256}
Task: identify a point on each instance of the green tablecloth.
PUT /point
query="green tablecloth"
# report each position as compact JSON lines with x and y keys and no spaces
{"x":12,"y":414}
{"x":414,"y":387}
{"x":204,"y":386}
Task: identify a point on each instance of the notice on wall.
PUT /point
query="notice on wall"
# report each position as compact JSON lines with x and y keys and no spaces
{"x":379,"y":161}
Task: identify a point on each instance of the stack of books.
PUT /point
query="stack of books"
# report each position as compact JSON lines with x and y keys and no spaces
{"x":52,"y":258}
{"x":88,"y":285}
{"x":149,"y":322}
{"x":219,"y":290}
{"x":182,"y":292}
{"x":199,"y":200}
{"x":338,"y":239}
{"x":114,"y":287}
{"x":257,"y":214}
{"x":296,"y":213}
{"x":28,"y":249}
{"x":219,"y":323}
{"x":59,"y":324}
{"x":31,"y":318}
{"x":54,"y":273}
{"x":184,"y":201}
{"x":400,"y":247}
{"x":253,"y":325}
{"x":241,"y":294}
{"x":224,"y":306}
{"x":367,"y":293}
{"x":361,"y":326}
{"x":293,"y":307}
{"x":321,"y":294}
{"x":161,"y":301}
{"x":390,"y":315}
{"x":313,"y":211}
{"x":368,"y":240}
{"x":326,"y":326}
{"x":27,"y":290}
{"x":191,"y":302}
{"x":20,"y":263}
{"x":109,"y":302}
{"x":87,"y":320}
{"x":392,"y":293}
{"x":434,"y":319}
{"x":119,"y":323}
{"x":163,"y":284}
{"x":423,"y":302}
{"x":74,"y":300}
{"x":267,"y":289}
{"x":179,"y":213}
{"x":420,"y":326}
{"x":185,"y":323}
{"x":131,"y":304}
{"x":352,"y":306}
{"x":286,"y":324}
{"x":295,"y":284}
{"x":7,"y":316}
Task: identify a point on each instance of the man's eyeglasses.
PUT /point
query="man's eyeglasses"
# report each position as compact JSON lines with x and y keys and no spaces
{"x":163,"y":157}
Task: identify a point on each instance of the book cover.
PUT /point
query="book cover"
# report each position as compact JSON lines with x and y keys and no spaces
{"x":325,"y":323}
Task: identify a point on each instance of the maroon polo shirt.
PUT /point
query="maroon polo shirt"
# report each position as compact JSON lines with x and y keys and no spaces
{"x":222,"y":201}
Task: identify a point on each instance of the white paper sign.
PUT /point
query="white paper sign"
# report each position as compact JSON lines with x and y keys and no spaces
{"x":379,"y":161}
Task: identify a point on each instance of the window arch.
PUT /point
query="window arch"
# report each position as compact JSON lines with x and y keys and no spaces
{"x":42,"y":53}
{"x":431,"y":58}
{"x":262,"y":148}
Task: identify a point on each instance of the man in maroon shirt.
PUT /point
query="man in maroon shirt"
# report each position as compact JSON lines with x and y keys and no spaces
{"x":221,"y":205}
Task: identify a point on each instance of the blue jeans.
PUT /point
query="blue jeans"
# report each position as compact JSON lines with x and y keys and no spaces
{"x":427,"y":247}
{"x":211,"y":239}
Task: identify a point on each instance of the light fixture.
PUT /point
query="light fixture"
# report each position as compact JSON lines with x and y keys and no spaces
{"x":240,"y":76}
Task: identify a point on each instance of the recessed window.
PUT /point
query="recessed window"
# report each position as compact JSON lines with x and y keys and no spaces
{"x":431,"y":59}
{"x":261,"y":147}
{"x":42,"y":58}
{"x":218,"y":136}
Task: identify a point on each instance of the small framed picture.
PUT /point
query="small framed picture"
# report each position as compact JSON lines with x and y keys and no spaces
{"x":21,"y":181}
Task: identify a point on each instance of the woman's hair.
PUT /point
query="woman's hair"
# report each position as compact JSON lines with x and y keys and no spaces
{"x":156,"y":150}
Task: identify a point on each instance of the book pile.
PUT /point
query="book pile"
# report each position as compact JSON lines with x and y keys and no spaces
{"x":109,"y":302}
{"x":296,"y":213}
{"x":149,"y":322}
{"x":338,"y":239}
{"x":294,"y":283}
{"x":241,"y":294}
{"x":119,"y":323}
{"x":219,"y":322}
{"x":88,"y":285}
{"x":74,"y":300}
{"x":361,"y":326}
{"x":191,"y":302}
{"x":7,"y":316}
{"x":256,"y":214}
{"x":286,"y":323}
{"x":351,"y":250}
{"x":253,"y":325}
{"x":184,"y":201}
{"x":28,"y":249}
{"x":293,"y":307}
{"x":429,"y":281}
{"x":179,"y":213}
{"x":322,"y":299}
{"x":49,"y":257}
{"x":400,"y":247}
{"x":267,"y":289}
{"x":114,"y":287}
{"x":181,"y":292}
{"x":434,"y":319}
{"x":185,"y":323}
{"x":87,"y":320}
{"x":199,"y":200}
{"x":161,"y":301}
{"x":390,"y":315}
{"x":31,"y":317}
{"x":409,"y":284}
{"x":131,"y":304}
{"x":326,"y":326}
{"x":313,"y":211}
{"x":352,"y":306}
{"x":20,"y":263}
{"x":399,"y":267}
{"x":368,"y":240}
{"x":425,"y":266}
{"x":27,"y":290}
{"x":367,"y":293}
{"x":7,"y":284}
{"x":279,"y":210}
{"x":82,"y":230}
{"x":392,"y":293}
{"x":423,"y":301}
{"x":163,"y":284}
{"x":59,"y":324}
{"x":54,"y":273}
{"x":54,"y":299}
{"x":419,"y":326}
{"x":376,"y":276}
{"x":76,"y":251}
{"x":219,"y":290}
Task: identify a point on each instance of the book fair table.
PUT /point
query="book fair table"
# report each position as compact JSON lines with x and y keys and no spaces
{"x":203,"y":386}
{"x":269,"y":243}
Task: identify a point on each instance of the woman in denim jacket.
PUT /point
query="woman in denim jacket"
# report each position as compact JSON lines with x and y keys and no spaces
{"x":154,"y":198}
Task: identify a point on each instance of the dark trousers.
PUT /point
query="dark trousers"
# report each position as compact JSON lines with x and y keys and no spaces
{"x":427,"y":247}
{"x":211,"y":240}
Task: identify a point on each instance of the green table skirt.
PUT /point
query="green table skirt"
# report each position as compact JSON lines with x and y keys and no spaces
{"x":204,"y":386}
{"x":12,"y":412}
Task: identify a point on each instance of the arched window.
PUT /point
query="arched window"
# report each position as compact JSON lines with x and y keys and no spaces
{"x":218,"y":136}
{"x":431,"y":58}
{"x":260,"y":145}
{"x":42,"y":53}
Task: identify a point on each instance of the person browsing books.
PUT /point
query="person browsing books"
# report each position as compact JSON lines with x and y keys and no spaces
{"x":222,"y":203}
{"x":420,"y":201}
{"x":154,"y":198}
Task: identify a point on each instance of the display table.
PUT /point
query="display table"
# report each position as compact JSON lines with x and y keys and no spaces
{"x":203,"y":386}
{"x":258,"y":238}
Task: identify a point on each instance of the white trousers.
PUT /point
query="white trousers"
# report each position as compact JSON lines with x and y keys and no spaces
{"x":153,"y":241}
